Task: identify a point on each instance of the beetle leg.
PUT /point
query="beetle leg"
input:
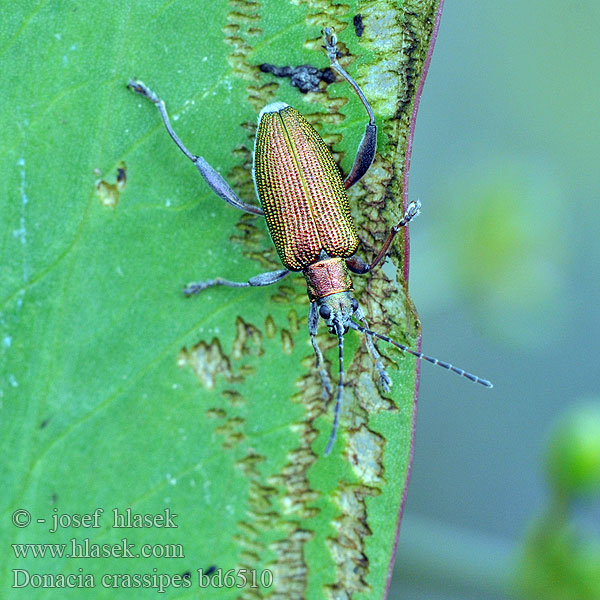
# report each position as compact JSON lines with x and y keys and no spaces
{"x":368,"y":144}
{"x":384,"y":378}
{"x":210,"y":175}
{"x":313,"y":323}
{"x":340,"y":390}
{"x":268,"y":278}
{"x":358,"y":265}
{"x":411,"y":212}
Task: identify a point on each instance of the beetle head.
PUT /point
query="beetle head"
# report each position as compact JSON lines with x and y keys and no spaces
{"x":337,"y":310}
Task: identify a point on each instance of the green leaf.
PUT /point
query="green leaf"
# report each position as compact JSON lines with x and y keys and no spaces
{"x":116,"y":391}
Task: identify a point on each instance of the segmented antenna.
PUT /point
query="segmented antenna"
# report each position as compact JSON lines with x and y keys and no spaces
{"x":420,"y":355}
{"x":338,"y":400}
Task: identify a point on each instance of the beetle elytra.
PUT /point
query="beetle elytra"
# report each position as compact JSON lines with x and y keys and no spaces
{"x":303,"y":199}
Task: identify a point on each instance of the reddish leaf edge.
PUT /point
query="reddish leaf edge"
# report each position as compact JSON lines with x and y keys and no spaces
{"x":405,"y":178}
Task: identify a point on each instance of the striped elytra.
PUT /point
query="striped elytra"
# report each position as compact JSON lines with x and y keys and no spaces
{"x":300,"y":190}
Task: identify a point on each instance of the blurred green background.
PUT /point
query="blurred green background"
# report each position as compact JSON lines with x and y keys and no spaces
{"x":504,"y":273}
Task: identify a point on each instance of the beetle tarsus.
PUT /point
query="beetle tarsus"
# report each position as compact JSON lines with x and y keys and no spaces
{"x":325,"y":381}
{"x":340,"y":391}
{"x":191,"y":289}
{"x":412,"y":210}
{"x":331,"y":44}
{"x":384,"y":378}
{"x":325,"y":384}
{"x":141,"y":88}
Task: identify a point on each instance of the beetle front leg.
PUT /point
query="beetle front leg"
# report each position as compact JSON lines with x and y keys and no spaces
{"x":267,"y":278}
{"x":210,"y":175}
{"x":313,"y":323}
{"x":384,"y":378}
{"x":368,"y":144}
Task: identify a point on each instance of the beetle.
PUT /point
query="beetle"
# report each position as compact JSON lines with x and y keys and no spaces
{"x":303,"y":199}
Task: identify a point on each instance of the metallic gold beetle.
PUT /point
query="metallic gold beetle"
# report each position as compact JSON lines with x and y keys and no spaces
{"x":303,"y":199}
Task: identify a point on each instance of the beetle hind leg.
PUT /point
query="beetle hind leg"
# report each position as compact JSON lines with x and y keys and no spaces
{"x":368,"y":145}
{"x":212,"y":177}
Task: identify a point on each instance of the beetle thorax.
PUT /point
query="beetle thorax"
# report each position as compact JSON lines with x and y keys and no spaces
{"x":327,"y":277}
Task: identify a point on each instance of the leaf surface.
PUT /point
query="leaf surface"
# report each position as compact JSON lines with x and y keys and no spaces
{"x":117,"y":392}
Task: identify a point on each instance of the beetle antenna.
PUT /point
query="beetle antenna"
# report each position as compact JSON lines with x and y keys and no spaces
{"x":420,"y":355}
{"x":340,"y":389}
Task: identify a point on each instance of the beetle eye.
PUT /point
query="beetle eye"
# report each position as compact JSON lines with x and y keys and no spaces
{"x":325,"y":311}
{"x":354,"y":304}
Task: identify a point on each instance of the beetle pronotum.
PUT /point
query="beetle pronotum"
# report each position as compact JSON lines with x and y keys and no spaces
{"x":303,"y":199}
